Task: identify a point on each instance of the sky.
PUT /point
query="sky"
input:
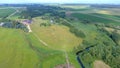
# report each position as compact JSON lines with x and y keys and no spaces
{"x":63,"y":1}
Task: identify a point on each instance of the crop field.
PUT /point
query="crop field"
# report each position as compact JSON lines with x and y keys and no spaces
{"x":94,"y":19}
{"x":75,"y":6}
{"x":4,"y":12}
{"x":113,"y":11}
{"x":113,"y":17}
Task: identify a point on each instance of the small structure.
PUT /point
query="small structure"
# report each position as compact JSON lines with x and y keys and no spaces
{"x":27,"y":22}
{"x":1,"y":24}
{"x":51,"y":21}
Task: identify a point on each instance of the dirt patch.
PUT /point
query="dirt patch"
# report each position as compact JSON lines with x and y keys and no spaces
{"x":64,"y":66}
{"x":100,"y":64}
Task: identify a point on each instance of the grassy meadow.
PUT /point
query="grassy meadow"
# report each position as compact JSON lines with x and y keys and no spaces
{"x":16,"y":52}
{"x":26,"y":51}
{"x":53,"y":35}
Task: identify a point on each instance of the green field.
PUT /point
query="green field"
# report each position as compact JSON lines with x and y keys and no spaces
{"x":17,"y":51}
{"x":53,"y":35}
{"x":94,"y":19}
{"x":4,"y":12}
{"x":23,"y":50}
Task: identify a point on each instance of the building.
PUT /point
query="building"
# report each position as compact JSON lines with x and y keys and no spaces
{"x":27,"y":22}
{"x":1,"y":24}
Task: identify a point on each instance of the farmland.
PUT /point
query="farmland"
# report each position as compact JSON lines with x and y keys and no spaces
{"x":4,"y":12}
{"x":93,"y":18}
{"x":62,"y":36}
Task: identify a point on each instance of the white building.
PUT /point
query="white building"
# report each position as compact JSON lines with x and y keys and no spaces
{"x":1,"y":24}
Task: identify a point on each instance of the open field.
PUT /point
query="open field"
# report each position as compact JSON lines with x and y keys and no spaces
{"x":5,"y":12}
{"x":113,"y":11}
{"x":75,"y":6}
{"x":16,"y":50}
{"x":26,"y":51}
{"x":100,"y":64}
{"x":53,"y":35}
{"x":94,"y":19}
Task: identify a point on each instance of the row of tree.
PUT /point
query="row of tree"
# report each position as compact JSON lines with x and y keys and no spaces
{"x":107,"y":48}
{"x":15,"y":25}
{"x":40,"y":10}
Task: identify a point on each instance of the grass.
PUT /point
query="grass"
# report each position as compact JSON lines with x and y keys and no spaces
{"x":24,"y":50}
{"x":56,"y":36}
{"x":5,"y":12}
{"x":112,"y":17}
{"x":90,"y":30}
{"x":15,"y":51}
{"x":107,"y":16}
{"x":46,"y":54}
{"x":94,"y":19}
{"x":19,"y":54}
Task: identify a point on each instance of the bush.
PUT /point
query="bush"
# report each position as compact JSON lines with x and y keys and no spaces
{"x":77,"y":32}
{"x":16,"y":25}
{"x":115,"y":37}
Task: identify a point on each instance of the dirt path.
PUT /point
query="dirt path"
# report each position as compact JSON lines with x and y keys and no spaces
{"x":28,"y":26}
{"x":67,"y":60}
{"x":40,"y":40}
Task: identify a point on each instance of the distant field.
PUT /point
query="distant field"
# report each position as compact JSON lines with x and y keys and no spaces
{"x":53,"y":35}
{"x":6,"y":11}
{"x":113,"y":11}
{"x":75,"y":6}
{"x":94,"y":19}
{"x":112,"y":17}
